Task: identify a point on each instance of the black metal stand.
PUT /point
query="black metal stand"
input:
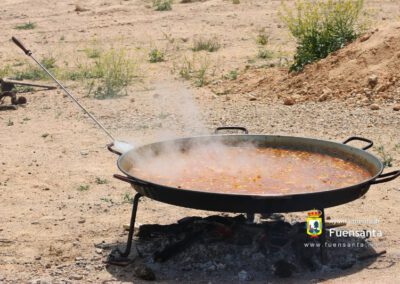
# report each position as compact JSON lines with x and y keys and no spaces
{"x":323,"y":239}
{"x":117,"y":256}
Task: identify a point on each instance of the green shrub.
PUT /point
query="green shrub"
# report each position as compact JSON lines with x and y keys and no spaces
{"x":114,"y":70}
{"x":262,"y":38}
{"x":209,"y":45}
{"x":201,"y":76}
{"x":101,"y":180}
{"x":83,"y":187}
{"x":186,"y":68}
{"x":48,"y":62}
{"x":232,"y":75}
{"x":156,"y":55}
{"x":32,"y":72}
{"x":5,"y":71}
{"x":26,"y":26}
{"x":92,"y":52}
{"x":264,"y":54}
{"x":24,"y":89}
{"x":321,"y":27}
{"x":387,"y":159}
{"x":127,"y":198}
{"x":196,"y":70}
{"x":162,"y":5}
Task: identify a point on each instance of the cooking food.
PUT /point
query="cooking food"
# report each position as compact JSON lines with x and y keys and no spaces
{"x":247,"y":170}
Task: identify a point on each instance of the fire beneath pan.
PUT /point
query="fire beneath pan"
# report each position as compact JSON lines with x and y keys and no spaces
{"x":231,"y":248}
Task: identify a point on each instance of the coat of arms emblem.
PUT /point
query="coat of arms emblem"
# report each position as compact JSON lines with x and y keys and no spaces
{"x":314,"y":223}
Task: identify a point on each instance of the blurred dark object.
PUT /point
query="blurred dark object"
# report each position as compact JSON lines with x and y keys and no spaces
{"x":8,"y":89}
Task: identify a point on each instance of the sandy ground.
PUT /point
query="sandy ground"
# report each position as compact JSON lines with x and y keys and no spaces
{"x":49,"y":149}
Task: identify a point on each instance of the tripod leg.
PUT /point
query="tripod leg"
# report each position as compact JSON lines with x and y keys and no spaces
{"x":117,"y":256}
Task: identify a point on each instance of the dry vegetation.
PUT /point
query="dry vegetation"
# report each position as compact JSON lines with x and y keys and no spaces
{"x":321,"y":27}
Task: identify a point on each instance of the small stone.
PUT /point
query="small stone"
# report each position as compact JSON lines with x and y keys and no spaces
{"x":374,"y":107}
{"x":372,"y":81}
{"x":211,"y":268}
{"x":78,"y":258}
{"x":144,"y":272}
{"x":38,"y":257}
{"x":382,"y":88}
{"x":82,"y":220}
{"x":221,"y":266}
{"x":396,"y":107}
{"x":327,"y":91}
{"x":76,"y":277}
{"x":296,"y":97}
{"x":364,"y":100}
{"x":99,"y":251}
{"x":79,"y":8}
{"x":252,"y":98}
{"x":48,"y":265}
{"x":368,"y":93}
{"x":84,"y":152}
{"x":96,"y":258}
{"x":244,"y":276}
{"x":323,"y":97}
{"x":386,"y":96}
{"x":365,"y":37}
{"x":288,"y":102}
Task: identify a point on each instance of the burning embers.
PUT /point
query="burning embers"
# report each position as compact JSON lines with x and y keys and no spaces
{"x":219,"y":245}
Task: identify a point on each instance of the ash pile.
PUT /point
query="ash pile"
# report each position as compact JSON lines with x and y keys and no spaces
{"x":232,"y":249}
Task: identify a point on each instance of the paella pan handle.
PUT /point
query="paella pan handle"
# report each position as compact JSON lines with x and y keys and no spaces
{"x":355,"y":138}
{"x":218,"y":129}
{"x":129,"y":179}
{"x":386,"y":177}
{"x":112,"y":150}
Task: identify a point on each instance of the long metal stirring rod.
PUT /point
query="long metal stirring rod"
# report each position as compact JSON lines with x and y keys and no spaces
{"x":29,"y":53}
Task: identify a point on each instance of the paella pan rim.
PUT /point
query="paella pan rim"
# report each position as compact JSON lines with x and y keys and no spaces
{"x":362,"y":184}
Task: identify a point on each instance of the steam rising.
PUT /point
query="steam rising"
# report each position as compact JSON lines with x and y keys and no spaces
{"x":183,"y":115}
{"x":227,"y":163}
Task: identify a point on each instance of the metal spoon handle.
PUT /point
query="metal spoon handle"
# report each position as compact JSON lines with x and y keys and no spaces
{"x":29,"y":53}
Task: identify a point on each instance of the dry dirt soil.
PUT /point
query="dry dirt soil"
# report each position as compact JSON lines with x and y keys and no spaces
{"x":58,"y":198}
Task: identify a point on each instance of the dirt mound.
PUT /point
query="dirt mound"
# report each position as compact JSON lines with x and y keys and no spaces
{"x":366,"y":71}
